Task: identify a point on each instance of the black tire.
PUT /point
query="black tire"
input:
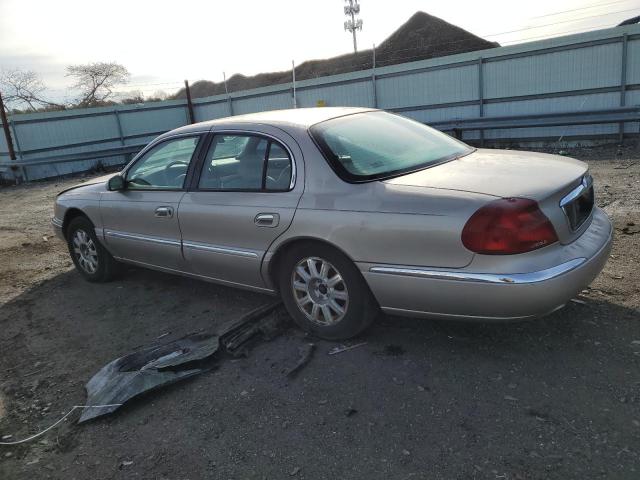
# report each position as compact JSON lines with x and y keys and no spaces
{"x":105,"y":267}
{"x":360,"y":308}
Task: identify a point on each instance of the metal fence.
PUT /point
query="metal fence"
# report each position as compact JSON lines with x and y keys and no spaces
{"x":594,"y":75}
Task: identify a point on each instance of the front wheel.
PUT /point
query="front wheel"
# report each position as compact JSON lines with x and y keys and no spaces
{"x":325,"y":293}
{"x":90,"y":258}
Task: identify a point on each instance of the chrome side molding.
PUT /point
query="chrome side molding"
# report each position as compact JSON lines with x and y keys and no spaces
{"x":142,"y":238}
{"x":217,"y":249}
{"x":177,"y":243}
{"x":461,"y":276}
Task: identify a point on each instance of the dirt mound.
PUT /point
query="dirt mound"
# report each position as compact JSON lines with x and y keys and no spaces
{"x":423,"y":36}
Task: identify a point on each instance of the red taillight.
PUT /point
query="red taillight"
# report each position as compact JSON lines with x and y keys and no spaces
{"x":507,"y":226}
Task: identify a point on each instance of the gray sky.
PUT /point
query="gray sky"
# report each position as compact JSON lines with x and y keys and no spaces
{"x":162,"y":43}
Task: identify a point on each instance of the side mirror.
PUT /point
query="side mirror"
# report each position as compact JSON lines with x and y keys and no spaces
{"x":116,"y":183}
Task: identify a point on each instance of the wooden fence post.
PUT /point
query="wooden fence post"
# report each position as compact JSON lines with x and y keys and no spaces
{"x":192,"y":117}
{"x":7,"y":132}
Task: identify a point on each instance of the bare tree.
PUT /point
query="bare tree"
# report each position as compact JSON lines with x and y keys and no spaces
{"x":160,"y":95}
{"x":131,"y":97}
{"x":23,"y":87}
{"x":96,"y":81}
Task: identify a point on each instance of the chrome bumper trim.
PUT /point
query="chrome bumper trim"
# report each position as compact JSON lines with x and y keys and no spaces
{"x":216,"y":249}
{"x":505,"y":278}
{"x":56,"y":222}
{"x":141,"y":238}
{"x":566,"y":202}
{"x":585,"y":184}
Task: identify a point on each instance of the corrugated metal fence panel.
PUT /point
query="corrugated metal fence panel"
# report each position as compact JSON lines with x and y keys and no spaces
{"x":61,"y":131}
{"x":269,"y":101}
{"x":210,"y":111}
{"x":572,"y":73}
{"x":442,"y":114}
{"x":633,"y":64}
{"x":3,"y":146}
{"x":354,"y":94}
{"x":150,"y":120}
{"x":454,"y":84}
{"x":582,"y":68}
{"x":633,"y":98}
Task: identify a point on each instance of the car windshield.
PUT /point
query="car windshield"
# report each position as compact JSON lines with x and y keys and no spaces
{"x":374,"y":145}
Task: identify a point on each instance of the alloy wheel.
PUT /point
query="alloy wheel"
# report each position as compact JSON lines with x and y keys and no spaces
{"x":85,"y":251}
{"x":320,"y":291}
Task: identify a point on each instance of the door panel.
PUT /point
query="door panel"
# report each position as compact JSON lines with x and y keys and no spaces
{"x":222,"y":236}
{"x":134,"y":231}
{"x":141,"y":222}
{"x":244,"y":199}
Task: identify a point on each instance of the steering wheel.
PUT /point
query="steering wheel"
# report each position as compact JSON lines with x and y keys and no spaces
{"x":169,"y":180}
{"x":139,"y":181}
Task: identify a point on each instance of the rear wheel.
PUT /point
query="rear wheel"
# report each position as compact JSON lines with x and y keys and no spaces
{"x":325,"y":293}
{"x":89,"y":256}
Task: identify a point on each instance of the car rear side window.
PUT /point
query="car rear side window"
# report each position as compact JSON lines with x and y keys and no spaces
{"x":245,"y":163}
{"x":375,"y":145}
{"x":278,"y":168}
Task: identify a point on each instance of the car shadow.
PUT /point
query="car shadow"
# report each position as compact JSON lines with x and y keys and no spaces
{"x":66,"y":312}
{"x":464,"y":377}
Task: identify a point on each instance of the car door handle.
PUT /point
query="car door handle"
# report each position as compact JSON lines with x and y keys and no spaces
{"x":164,"y":212}
{"x":267,"y":219}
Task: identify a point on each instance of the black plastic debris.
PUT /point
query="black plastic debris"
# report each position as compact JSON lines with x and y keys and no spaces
{"x":258,"y":323}
{"x":162,"y":364}
{"x":305,"y":353}
{"x":147,"y":369}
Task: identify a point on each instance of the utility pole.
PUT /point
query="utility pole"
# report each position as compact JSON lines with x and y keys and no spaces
{"x":352,"y":25}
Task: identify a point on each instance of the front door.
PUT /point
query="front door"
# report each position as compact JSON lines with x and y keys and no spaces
{"x":141,"y":222}
{"x":245,"y":198}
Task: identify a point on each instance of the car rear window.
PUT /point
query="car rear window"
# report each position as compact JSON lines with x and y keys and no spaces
{"x":375,"y":145}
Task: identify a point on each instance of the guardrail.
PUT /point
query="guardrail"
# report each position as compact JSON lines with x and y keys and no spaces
{"x":455,"y":127}
{"x":74,"y":157}
{"x":592,"y":117}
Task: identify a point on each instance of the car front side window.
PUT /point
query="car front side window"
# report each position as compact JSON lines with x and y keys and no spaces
{"x":164,"y":167}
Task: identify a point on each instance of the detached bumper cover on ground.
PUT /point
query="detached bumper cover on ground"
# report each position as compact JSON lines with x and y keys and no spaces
{"x":144,"y":370}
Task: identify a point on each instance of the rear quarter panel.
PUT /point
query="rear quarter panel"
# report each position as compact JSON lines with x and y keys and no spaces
{"x":382,"y":223}
{"x":379,"y":222}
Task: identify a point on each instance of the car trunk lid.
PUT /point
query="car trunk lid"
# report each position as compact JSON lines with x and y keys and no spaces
{"x":547,"y":179}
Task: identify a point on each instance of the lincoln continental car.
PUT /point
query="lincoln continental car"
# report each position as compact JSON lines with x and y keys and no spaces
{"x":344,"y":212}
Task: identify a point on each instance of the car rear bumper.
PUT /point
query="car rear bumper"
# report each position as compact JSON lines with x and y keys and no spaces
{"x":467,"y":294}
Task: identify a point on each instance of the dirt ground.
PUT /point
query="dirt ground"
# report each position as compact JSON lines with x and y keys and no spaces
{"x":554,"y":398}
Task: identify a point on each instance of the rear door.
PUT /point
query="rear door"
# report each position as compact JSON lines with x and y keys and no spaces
{"x":245,"y":196}
{"x":141,"y":222}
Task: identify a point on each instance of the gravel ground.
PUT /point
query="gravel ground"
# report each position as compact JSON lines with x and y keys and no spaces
{"x":557,"y":397}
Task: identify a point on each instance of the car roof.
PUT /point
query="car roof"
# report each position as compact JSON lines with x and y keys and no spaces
{"x":294,"y":117}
